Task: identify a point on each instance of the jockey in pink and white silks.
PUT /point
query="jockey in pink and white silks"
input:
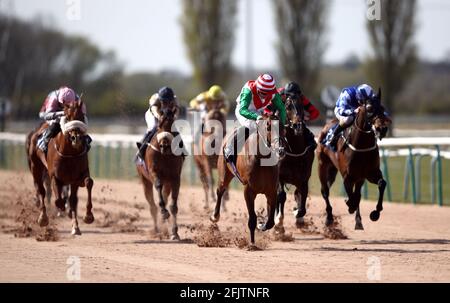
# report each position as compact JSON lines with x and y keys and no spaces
{"x":52,"y":110}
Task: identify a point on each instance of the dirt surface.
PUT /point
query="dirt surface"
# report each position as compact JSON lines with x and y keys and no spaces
{"x":408,"y":243}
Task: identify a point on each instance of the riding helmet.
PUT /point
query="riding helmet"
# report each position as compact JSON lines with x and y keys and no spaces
{"x":166,"y":94}
{"x":293,"y":89}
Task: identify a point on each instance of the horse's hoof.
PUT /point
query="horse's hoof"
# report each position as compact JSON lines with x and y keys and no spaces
{"x":265,"y":226}
{"x":279,"y":229}
{"x":165,"y":214}
{"x":70,"y":215}
{"x":76,"y":231}
{"x":253,"y":247}
{"x":42,"y":220}
{"x":61,"y":205}
{"x":375,"y":215}
{"x":352,"y":209}
{"x":300,"y":222}
{"x":300,"y":213}
{"x":175,"y":237}
{"x":89,"y":218}
{"x":214,"y":219}
{"x":359,"y":226}
{"x":329,"y":222}
{"x":61,"y":214}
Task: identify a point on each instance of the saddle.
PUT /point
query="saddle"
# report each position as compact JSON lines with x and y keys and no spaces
{"x":329,"y":134}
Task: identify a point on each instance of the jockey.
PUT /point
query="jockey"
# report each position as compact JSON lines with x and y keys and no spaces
{"x":349,"y":100}
{"x":163,"y":99}
{"x":293,"y":91}
{"x":52,"y":110}
{"x":255,"y":96}
{"x":206,"y":101}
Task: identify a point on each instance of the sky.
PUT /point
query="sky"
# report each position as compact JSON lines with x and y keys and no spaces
{"x":147,"y":36}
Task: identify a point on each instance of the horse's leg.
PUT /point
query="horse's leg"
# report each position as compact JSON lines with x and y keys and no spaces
{"x":162,"y":203}
{"x":48,"y":189}
{"x":281,"y":199}
{"x":271,"y":206}
{"x":301,"y":194}
{"x":225,"y":177}
{"x":212,"y":184}
{"x":377,"y":178}
{"x":327,"y":176}
{"x":73,"y":201}
{"x":250,"y":201}
{"x":57,"y":191}
{"x":174,"y":209}
{"x":37,"y":171}
{"x":357,"y":199}
{"x":89,"y":217}
{"x":204,"y":180}
{"x":349,"y":185}
{"x":148,"y":191}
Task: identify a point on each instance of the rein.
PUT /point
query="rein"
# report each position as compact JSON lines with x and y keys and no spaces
{"x":360,"y":150}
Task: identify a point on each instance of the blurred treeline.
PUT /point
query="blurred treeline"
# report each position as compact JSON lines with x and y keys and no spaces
{"x":35,"y":59}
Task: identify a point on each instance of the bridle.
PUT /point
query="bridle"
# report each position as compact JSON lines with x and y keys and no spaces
{"x":296,"y":127}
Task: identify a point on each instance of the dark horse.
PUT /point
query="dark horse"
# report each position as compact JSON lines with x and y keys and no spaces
{"x":357,"y":158}
{"x":257,"y":176}
{"x":296,"y":166}
{"x":207,"y":152}
{"x":163,"y":170}
{"x":66,"y":163}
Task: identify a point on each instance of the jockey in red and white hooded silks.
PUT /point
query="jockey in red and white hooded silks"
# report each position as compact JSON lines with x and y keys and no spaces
{"x":53,"y":109}
{"x":255,"y":96}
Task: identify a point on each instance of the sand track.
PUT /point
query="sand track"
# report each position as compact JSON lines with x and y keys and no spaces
{"x":411,"y":243}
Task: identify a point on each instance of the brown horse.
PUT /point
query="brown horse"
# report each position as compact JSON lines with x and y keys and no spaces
{"x":357,"y":159}
{"x":296,"y":166}
{"x":163,"y":163}
{"x":257,"y":175}
{"x":206,"y":153}
{"x":66,"y":163}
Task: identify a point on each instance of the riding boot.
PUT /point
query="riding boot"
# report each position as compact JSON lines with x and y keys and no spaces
{"x":335,"y":137}
{"x":51,"y":131}
{"x":143,"y":144}
{"x":240,"y":136}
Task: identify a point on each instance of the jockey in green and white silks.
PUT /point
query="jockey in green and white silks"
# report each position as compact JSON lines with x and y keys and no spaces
{"x":255,"y":96}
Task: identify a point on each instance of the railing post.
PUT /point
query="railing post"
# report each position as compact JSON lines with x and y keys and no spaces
{"x":439,"y":176}
{"x":411,"y":168}
{"x":418,"y":176}
{"x":433,"y":179}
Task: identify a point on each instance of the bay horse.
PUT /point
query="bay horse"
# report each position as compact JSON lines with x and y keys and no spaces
{"x":207,"y":152}
{"x":162,"y":169}
{"x":66,"y":163}
{"x":257,"y":176}
{"x":357,"y":159}
{"x":296,"y":166}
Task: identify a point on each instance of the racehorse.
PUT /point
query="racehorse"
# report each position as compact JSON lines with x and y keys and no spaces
{"x":207,"y":152}
{"x":66,"y":163}
{"x":163,"y":170}
{"x":257,"y":176}
{"x":296,"y":166}
{"x":357,"y":159}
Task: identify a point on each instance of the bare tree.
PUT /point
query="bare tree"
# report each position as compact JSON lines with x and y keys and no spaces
{"x":208,"y":30}
{"x":301,"y":25}
{"x":394,"y":52}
